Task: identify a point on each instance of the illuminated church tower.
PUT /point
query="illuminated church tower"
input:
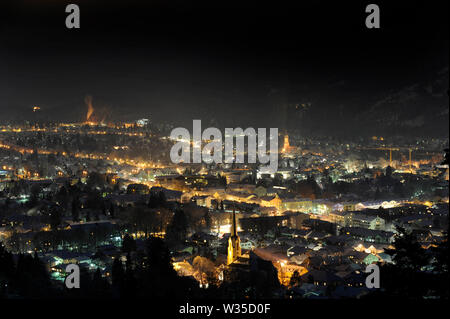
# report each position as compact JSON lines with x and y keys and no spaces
{"x":286,"y":146}
{"x":234,"y":243}
{"x":288,"y":149}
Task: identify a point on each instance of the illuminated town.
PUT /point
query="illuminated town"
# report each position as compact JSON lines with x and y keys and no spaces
{"x":87,"y":179}
{"x":93,"y":193}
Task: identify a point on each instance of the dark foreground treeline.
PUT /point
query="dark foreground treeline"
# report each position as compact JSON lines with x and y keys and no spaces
{"x":417,"y":273}
{"x":145,"y":274}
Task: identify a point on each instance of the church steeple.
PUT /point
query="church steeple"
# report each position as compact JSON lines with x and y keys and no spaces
{"x":233,"y":225}
{"x":234,"y":242}
{"x":288,"y":149}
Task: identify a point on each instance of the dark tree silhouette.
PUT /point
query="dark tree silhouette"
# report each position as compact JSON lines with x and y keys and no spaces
{"x":76,"y":209}
{"x":405,"y":277}
{"x":177,"y":229}
{"x":128,"y":244}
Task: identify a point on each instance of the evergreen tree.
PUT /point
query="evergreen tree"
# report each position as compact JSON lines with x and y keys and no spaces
{"x":55,"y":218}
{"x":100,"y":287}
{"x":160,"y":279}
{"x":389,"y":172}
{"x":128,"y":244}
{"x":7,"y":269}
{"x":162,"y":201}
{"x":208,"y":220}
{"x":177,"y":229}
{"x":112,"y":211}
{"x":76,"y":209}
{"x":405,"y":277}
{"x":130,"y":284}
{"x":408,"y":252}
{"x":118,"y":276}
{"x":441,"y":268}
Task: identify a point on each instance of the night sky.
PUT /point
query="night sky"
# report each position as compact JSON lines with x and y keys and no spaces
{"x":311,"y":66}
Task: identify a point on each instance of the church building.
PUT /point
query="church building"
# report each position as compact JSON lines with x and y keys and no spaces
{"x":234,"y":242}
